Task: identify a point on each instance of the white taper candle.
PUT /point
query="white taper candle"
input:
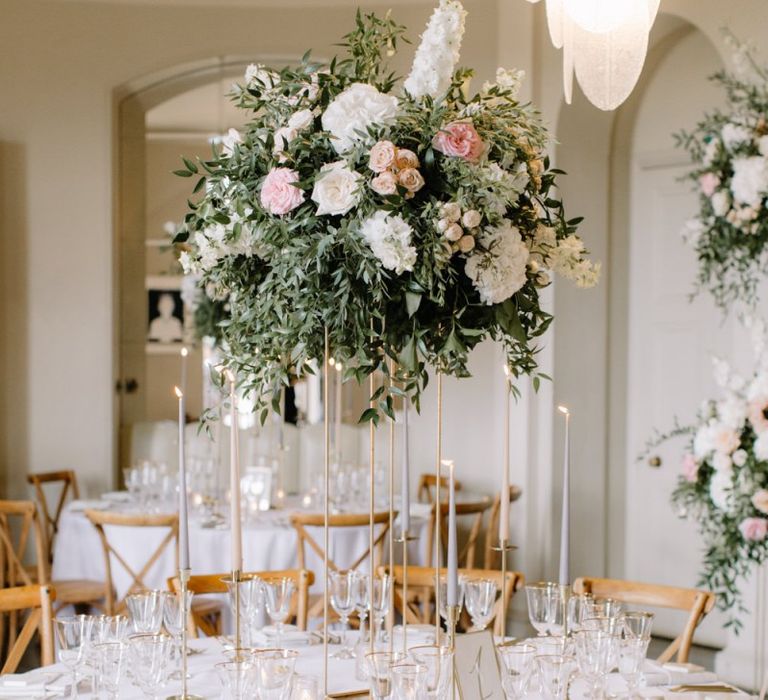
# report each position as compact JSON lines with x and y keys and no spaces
{"x":565,"y":522}
{"x":183,"y":515}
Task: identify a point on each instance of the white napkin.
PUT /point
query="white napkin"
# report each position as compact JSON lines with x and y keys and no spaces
{"x":656,"y":675}
{"x":30,"y":685}
{"x":93,"y":504}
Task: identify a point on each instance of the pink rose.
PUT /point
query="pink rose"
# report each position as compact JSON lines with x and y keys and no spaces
{"x":708,"y":183}
{"x":690,"y":467}
{"x":406,"y":159}
{"x":384,"y":183}
{"x":754,"y":529}
{"x":725,"y":440}
{"x":382,"y":156}
{"x":411,"y":179}
{"x":278,"y":193}
{"x":459,"y":140}
{"x":758,"y":414}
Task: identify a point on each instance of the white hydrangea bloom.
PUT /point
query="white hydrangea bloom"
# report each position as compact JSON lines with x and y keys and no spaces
{"x":389,"y":237}
{"x":498,"y":271}
{"x":760,"y":447}
{"x":438,"y":53}
{"x":721,"y":203}
{"x":734,"y":135}
{"x":750,"y":180}
{"x":720,"y":489}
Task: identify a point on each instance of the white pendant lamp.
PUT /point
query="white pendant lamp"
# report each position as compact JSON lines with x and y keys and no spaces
{"x":604,"y":44}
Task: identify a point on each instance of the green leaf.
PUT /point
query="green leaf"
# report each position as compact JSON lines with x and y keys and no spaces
{"x":183,"y":173}
{"x":190,"y":165}
{"x":412,"y":303}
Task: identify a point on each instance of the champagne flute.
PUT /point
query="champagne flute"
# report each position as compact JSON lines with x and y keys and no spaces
{"x":381,"y":599}
{"x":343,"y":585}
{"x":277,"y":599}
{"x":517,"y":667}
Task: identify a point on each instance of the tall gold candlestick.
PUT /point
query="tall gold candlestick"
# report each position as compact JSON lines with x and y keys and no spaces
{"x":326,"y":510}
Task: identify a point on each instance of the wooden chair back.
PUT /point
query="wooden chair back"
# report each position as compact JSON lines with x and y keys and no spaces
{"x":696,"y":603}
{"x":18,"y":522}
{"x":475,"y":511}
{"x":422,"y":578}
{"x":427,"y":482}
{"x":35,"y":601}
{"x":207,"y":584}
{"x":67,"y":480}
{"x":492,"y":558}
{"x":101,"y":519}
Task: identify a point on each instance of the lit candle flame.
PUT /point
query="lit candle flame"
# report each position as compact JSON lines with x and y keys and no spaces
{"x":447,"y":463}
{"x":331,"y":362}
{"x":339,"y":367}
{"x":184,"y":352}
{"x":178,"y":391}
{"x":563,"y":409}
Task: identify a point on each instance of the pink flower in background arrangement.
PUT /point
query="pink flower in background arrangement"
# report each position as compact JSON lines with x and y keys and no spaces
{"x":754,"y":529}
{"x":278,"y":193}
{"x":760,"y":501}
{"x":459,"y":140}
{"x":708,"y":183}
{"x":758,"y":414}
{"x":690,"y":467}
{"x":382,"y":156}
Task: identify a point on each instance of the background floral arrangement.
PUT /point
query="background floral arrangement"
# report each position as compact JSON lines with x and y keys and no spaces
{"x":730,"y":154}
{"x":410,"y":222}
{"x":724,"y":481}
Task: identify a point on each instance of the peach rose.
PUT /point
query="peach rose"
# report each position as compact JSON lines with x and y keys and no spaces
{"x":384,"y":183}
{"x":760,"y":501}
{"x":754,"y":529}
{"x":453,"y":233}
{"x":725,"y":440}
{"x":690,"y":467}
{"x":708,"y":183}
{"x":466,"y":243}
{"x":757,"y":411}
{"x":411,"y":179}
{"x":382,"y":156}
{"x":278,"y":193}
{"x":406,"y":159}
{"x":459,"y":140}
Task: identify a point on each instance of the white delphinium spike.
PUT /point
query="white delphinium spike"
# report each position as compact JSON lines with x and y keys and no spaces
{"x":438,"y":53}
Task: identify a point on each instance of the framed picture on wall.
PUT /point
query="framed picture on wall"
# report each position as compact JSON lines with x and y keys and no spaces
{"x":165,"y":314}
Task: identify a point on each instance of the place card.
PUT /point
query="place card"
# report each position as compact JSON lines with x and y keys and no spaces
{"x":478,"y":674}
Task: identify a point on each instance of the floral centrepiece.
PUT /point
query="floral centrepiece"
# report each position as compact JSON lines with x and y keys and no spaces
{"x":411,"y":221}
{"x":723,"y":484}
{"x":729,"y":150}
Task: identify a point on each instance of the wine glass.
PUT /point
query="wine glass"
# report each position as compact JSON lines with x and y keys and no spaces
{"x":637,"y":624}
{"x":480,"y":598}
{"x":576,"y":606}
{"x":110,"y":628}
{"x":251,"y":593}
{"x":439,"y":663}
{"x":517,"y":667}
{"x":380,"y":672}
{"x":146,"y":608}
{"x":555,"y":672}
{"x":343,"y":585}
{"x":277,"y":599}
{"x":274,"y":672}
{"x":382,"y":585}
{"x":175,"y":618}
{"x":150,"y":656}
{"x":632,"y":651}
{"x":362,"y":600}
{"x":238,"y":678}
{"x":110,"y":658}
{"x":409,"y":681}
{"x":73,"y":633}
{"x":595,"y":653}
{"x":545,"y":607}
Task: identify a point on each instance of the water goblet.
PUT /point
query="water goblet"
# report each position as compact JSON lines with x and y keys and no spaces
{"x":576,"y":605}
{"x":251,"y":593}
{"x":362,"y":599}
{"x":174,"y":619}
{"x":304,"y":687}
{"x":382,"y":585}
{"x":637,"y":624}
{"x":409,"y":681}
{"x":110,"y":628}
{"x":274,"y":671}
{"x":595,"y":654}
{"x":518,"y":662}
{"x":480,"y":599}
{"x":238,"y":678}
{"x":545,"y":607}
{"x":146,"y":608}
{"x":110,"y":657}
{"x":343,"y":585}
{"x":438,"y":661}
{"x":73,"y":633}
{"x":277,"y":598}
{"x":555,"y":672}
{"x":150,"y":657}
{"x":601,"y":607}
{"x":632,"y":651}
{"x":380,"y":672}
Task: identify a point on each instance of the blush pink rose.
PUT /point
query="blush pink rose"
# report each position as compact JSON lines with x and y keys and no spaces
{"x":384,"y":183}
{"x":459,"y":140}
{"x":690,"y":467}
{"x":382,"y":156}
{"x":708,"y":183}
{"x":278,"y":193}
{"x":760,"y":501}
{"x":406,"y":159}
{"x":754,"y":529}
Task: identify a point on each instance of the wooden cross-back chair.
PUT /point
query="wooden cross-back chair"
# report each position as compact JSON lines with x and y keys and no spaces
{"x":427,"y":482}
{"x":492,"y":558}
{"x":696,"y":603}
{"x":474,"y":510}
{"x":35,"y":600}
{"x":420,"y":610}
{"x":207,"y":584}
{"x":68,"y":481}
{"x":302,"y":521}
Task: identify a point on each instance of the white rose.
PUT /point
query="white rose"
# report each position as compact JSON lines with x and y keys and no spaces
{"x":229,"y":141}
{"x":471,"y":218}
{"x":720,"y":203}
{"x":739,"y":458}
{"x":750,"y":180}
{"x":732,"y":411}
{"x":259,"y":77}
{"x":301,"y":120}
{"x":466,"y":243}
{"x":442,"y":225}
{"x":354,"y":110}
{"x":283,"y":136}
{"x":336,"y":189}
{"x":703,"y":442}
{"x":760,"y":447}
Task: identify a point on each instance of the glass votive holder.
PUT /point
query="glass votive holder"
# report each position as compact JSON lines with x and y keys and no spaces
{"x":305,"y":687}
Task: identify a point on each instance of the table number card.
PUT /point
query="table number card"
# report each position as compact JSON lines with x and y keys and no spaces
{"x":478,"y":676}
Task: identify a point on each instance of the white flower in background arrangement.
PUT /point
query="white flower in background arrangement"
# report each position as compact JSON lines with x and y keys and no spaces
{"x":389,"y":238}
{"x":710,"y":151}
{"x":721,"y":203}
{"x":260,"y":77}
{"x":692,"y":230}
{"x":722,"y":462}
{"x":724,"y":439}
{"x":438,"y":53}
{"x":229,"y":142}
{"x":703,"y":442}
{"x":337,"y":189}
{"x":353,"y":111}
{"x":720,"y":489}
{"x":750,"y":180}
{"x":760,"y":447}
{"x":187,"y":263}
{"x":739,"y":458}
{"x":735,"y":135}
{"x":498,"y":270}
{"x":732,"y":411}
{"x":191,"y":293}
{"x":301,"y":120}
{"x":510,"y":80}
{"x":762,"y":145}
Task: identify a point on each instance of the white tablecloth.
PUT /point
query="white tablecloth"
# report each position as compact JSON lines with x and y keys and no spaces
{"x":270,"y":543}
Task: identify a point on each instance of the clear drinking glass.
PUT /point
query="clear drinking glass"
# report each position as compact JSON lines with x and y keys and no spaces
{"x":380,"y":672}
{"x":555,"y":672}
{"x":439,"y":663}
{"x":274,"y":671}
{"x":150,"y":656}
{"x":362,"y":599}
{"x":545,"y":607}
{"x":174,"y":618}
{"x":595,"y":654}
{"x":576,"y":605}
{"x":601,"y":607}
{"x":637,"y":624}
{"x":409,"y":681}
{"x":238,"y":678}
{"x":73,"y":633}
{"x":110,"y":628}
{"x":146,"y":608}
{"x":518,"y":663}
{"x":110,"y":658}
{"x":277,"y":599}
{"x":480,"y":599}
{"x":632,"y":651}
{"x":381,"y":599}
{"x":251,"y":605}
{"x":305,"y":687}
{"x":343,"y":585}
